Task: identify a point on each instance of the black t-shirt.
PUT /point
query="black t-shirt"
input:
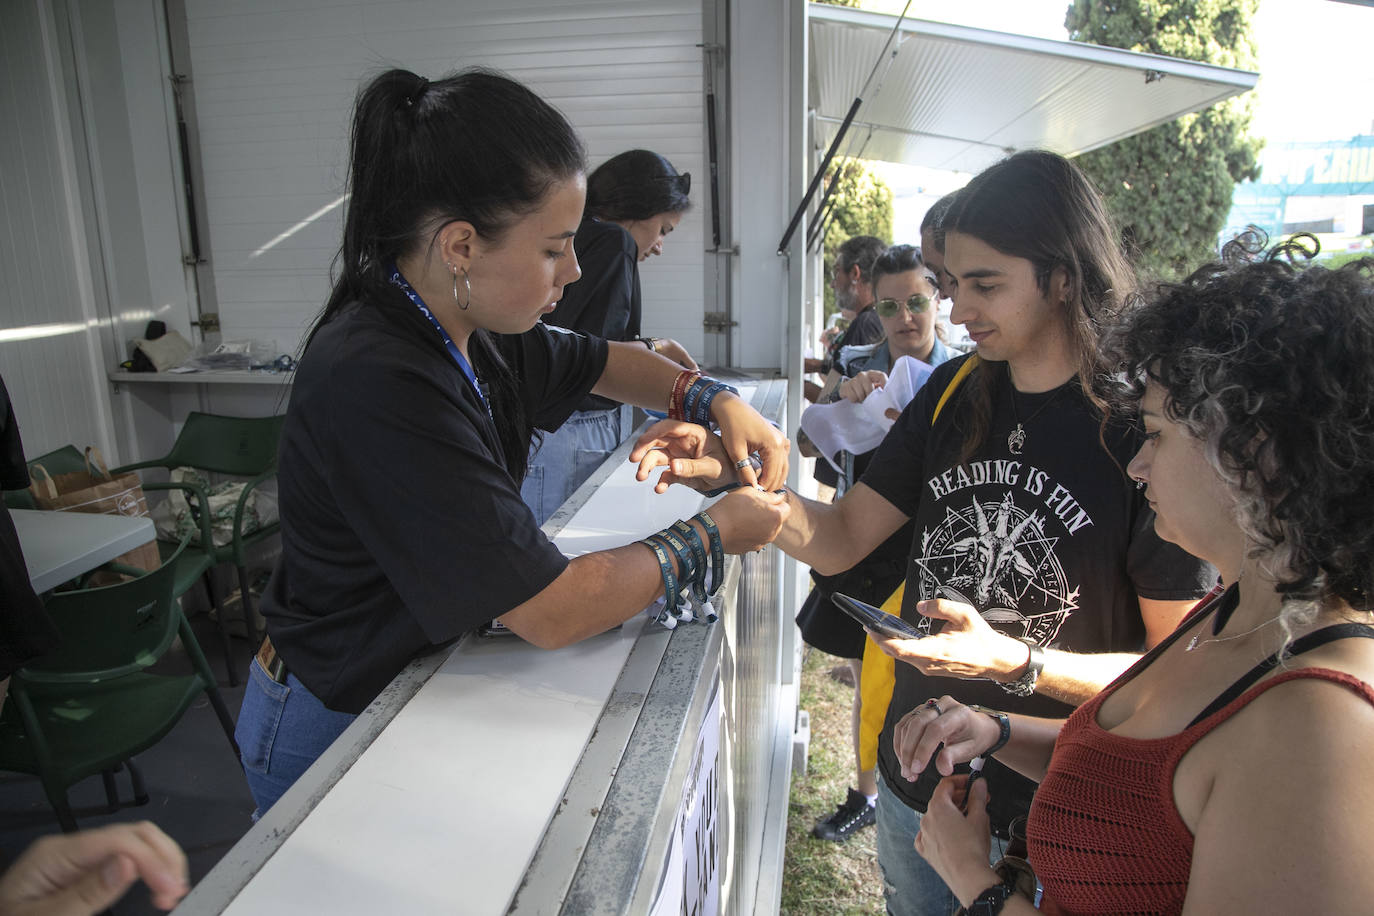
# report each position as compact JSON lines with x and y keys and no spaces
{"x":605,"y":301}
{"x":1055,"y":543}
{"x":401,"y":528}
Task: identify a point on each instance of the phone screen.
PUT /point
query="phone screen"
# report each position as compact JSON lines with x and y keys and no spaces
{"x":876,"y":619}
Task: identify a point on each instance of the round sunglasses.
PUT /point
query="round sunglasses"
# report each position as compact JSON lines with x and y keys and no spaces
{"x":914,"y":304}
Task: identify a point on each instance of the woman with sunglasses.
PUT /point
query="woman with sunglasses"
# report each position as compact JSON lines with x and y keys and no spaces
{"x":906,"y":294}
{"x":634,"y":201}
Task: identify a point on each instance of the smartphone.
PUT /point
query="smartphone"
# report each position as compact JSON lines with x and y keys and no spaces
{"x":876,"y":619}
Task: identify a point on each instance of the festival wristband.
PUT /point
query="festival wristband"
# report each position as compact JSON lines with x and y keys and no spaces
{"x":717,"y":550}
{"x":684,"y":378}
{"x":665,"y":568}
{"x":688,"y":570}
{"x":692,"y":396}
{"x":689,"y":534}
{"x":703,"y":412}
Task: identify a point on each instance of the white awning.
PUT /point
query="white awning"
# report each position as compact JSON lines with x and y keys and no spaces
{"x":955,"y":97}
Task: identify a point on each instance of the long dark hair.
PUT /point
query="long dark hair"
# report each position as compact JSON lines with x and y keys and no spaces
{"x":474,"y":146}
{"x":636,"y":184}
{"x":1039,"y":206}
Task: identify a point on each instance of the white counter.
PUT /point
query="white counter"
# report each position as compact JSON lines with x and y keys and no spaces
{"x":484,"y":779}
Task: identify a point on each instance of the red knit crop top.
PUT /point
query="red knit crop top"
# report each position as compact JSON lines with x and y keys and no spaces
{"x":1103,"y":834}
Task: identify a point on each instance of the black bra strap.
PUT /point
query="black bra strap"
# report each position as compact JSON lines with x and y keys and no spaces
{"x":1305,"y":644}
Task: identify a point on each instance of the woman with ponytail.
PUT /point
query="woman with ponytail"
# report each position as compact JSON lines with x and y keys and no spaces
{"x":634,"y":201}
{"x":410,"y":419}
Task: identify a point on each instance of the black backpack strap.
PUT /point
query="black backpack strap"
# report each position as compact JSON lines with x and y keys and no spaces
{"x":1305,"y":644}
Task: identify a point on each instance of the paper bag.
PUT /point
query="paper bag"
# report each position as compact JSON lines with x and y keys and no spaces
{"x":94,"y":491}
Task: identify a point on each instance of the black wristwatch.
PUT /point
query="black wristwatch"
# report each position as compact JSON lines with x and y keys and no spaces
{"x":1003,"y":726}
{"x":1024,"y":685}
{"x":991,"y":901}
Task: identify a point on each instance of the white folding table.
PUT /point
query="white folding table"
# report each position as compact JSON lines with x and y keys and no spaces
{"x":59,"y":546}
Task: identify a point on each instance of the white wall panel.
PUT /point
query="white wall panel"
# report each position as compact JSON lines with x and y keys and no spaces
{"x":274,"y":83}
{"x":48,"y":353}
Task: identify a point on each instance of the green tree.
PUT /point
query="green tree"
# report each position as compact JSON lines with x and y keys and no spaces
{"x":861,"y":204}
{"x":1170,"y":188}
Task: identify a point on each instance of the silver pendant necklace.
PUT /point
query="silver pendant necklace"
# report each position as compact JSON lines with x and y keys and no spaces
{"x":1194,"y":643}
{"x":1226,"y":606}
{"x":1016,"y":439}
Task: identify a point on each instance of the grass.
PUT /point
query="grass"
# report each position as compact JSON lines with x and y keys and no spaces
{"x":821,"y":878}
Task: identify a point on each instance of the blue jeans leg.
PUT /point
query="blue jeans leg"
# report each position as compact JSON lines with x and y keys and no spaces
{"x":910,"y":886}
{"x":282,"y":730}
{"x":568,"y":456}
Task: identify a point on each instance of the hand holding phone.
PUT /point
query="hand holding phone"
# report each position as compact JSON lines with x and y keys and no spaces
{"x":876,"y":619}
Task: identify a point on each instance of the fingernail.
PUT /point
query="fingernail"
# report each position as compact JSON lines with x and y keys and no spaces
{"x":109,"y":873}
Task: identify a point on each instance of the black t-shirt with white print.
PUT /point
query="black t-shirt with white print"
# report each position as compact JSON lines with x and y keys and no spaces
{"x":1055,"y":543}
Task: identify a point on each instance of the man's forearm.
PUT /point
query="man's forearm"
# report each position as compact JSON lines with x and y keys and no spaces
{"x":1075,"y":678}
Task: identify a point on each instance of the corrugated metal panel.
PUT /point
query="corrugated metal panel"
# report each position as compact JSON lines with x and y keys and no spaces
{"x":960,"y":98}
{"x":274,"y":83}
{"x":47,"y":350}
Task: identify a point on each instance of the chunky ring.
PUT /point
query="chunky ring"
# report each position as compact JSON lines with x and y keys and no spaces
{"x":741,"y":464}
{"x":931,"y":704}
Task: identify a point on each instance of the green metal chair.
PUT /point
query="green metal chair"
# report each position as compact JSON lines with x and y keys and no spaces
{"x":234,"y":446}
{"x":92,"y":704}
{"x":66,"y":460}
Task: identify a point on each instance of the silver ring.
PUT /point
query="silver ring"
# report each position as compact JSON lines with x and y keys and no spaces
{"x":931,"y":704}
{"x":741,"y":464}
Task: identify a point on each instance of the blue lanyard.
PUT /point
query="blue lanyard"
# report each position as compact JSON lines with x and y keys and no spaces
{"x":452,"y":348}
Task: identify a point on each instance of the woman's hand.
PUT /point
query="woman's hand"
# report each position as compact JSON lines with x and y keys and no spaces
{"x":76,"y":874}
{"x":955,"y":843}
{"x":666,"y":346}
{"x":858,"y":388}
{"x":749,"y":518}
{"x":743,"y":430}
{"x":948,"y":731}
{"x":690,"y":454}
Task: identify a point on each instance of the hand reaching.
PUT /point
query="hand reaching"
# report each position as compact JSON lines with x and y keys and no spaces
{"x":78,"y":874}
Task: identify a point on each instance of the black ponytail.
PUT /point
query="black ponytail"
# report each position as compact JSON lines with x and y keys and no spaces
{"x":474,"y":146}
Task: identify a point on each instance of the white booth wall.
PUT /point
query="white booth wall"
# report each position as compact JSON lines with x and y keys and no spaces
{"x":97,"y":223}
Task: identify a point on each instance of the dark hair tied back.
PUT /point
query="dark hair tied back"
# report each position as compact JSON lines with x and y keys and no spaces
{"x":635,"y":185}
{"x":417,"y":93}
{"x":475,"y":146}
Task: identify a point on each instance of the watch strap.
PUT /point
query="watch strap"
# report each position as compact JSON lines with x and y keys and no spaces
{"x":1024,"y":686}
{"x":991,"y":901}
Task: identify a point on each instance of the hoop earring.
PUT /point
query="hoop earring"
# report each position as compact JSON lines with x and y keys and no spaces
{"x":466,"y":285}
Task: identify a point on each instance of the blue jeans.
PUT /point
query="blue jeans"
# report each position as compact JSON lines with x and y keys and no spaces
{"x":569,"y":455}
{"x":282,"y":730}
{"x":910,"y":886}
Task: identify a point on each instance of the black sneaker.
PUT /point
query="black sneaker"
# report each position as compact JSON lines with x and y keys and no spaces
{"x":851,"y":817}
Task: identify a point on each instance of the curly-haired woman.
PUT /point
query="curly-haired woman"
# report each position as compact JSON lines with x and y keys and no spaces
{"x":1223,"y":773}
